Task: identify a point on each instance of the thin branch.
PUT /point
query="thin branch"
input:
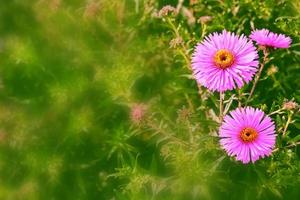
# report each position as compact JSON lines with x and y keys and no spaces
{"x":165,"y":134}
{"x":293,"y":145}
{"x":265,"y":59}
{"x":239,"y":98}
{"x":228,"y":103}
{"x":288,"y":146}
{"x":188,"y":63}
{"x":203,"y":30}
{"x":287,"y":124}
{"x":199,"y":90}
{"x":276,"y":112}
{"x":221,"y":106}
{"x":183,"y":51}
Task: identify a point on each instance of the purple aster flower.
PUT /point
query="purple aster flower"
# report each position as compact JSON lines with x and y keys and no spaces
{"x":224,"y":61}
{"x":267,"y":38}
{"x":248,"y":134}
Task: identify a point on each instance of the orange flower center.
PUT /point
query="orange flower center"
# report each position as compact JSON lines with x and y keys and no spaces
{"x":248,"y":134}
{"x":223,"y":58}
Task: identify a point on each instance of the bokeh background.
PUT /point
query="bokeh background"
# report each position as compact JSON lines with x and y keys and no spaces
{"x":97,"y":101}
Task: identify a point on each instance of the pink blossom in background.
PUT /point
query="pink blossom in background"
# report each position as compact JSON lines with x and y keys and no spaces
{"x":248,"y":134}
{"x":137,"y":113}
{"x":224,"y":61}
{"x":267,"y":38}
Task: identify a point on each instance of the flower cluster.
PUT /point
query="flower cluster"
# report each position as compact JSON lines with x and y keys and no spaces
{"x":225,"y":61}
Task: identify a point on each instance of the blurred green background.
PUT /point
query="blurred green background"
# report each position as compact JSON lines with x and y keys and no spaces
{"x":97,"y":101}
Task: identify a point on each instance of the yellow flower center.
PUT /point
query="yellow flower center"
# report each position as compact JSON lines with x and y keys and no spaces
{"x":248,"y":134}
{"x":223,"y":58}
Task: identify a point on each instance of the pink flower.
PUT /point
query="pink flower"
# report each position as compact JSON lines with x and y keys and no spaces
{"x":248,"y":134}
{"x":137,"y":113}
{"x":224,"y":61}
{"x":267,"y":38}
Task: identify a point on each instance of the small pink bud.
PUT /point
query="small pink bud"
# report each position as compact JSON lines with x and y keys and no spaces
{"x":178,"y":41}
{"x":290,"y":105}
{"x":204,"y":19}
{"x":272,"y":70}
{"x":166,"y":10}
{"x":137,"y":113}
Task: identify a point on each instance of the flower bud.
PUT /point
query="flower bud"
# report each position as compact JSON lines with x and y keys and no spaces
{"x":167,"y":10}
{"x":137,"y":113}
{"x":204,"y":19}
{"x":272,"y":70}
{"x":290,"y":105}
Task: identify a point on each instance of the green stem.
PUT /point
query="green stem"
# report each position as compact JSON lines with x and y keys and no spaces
{"x":287,"y":124}
{"x":239,"y":98}
{"x":276,"y":112}
{"x":203,"y":30}
{"x":221,"y":107}
{"x":183,"y":52}
{"x":165,"y":134}
{"x":288,"y":146}
{"x":258,"y":74}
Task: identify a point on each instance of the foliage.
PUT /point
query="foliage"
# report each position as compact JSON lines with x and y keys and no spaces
{"x":75,"y":73}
